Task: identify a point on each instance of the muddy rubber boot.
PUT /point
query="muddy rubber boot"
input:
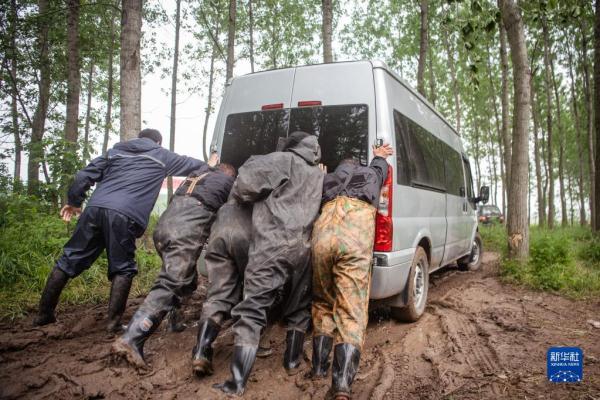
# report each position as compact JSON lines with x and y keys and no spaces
{"x":203,"y":352}
{"x":345,"y":365}
{"x":55,"y":284}
{"x":175,"y":320}
{"x":242,"y":362}
{"x":119,"y":291}
{"x":130,"y":345}
{"x":294,"y":342}
{"x":320,"y":356}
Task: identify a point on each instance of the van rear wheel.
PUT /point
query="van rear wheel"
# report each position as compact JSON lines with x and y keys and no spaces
{"x":472,"y":262}
{"x":417,"y":289}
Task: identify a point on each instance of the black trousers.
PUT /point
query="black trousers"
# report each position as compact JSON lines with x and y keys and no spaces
{"x":178,"y":238}
{"x":98,"y":229}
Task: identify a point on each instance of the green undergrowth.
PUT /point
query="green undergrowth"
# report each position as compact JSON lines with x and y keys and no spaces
{"x":31,"y":239}
{"x":564,"y":260}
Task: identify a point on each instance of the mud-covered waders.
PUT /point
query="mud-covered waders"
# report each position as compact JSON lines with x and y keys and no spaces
{"x":179,"y":236}
{"x":342,"y":254}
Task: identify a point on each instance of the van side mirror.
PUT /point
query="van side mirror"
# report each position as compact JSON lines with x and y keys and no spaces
{"x":484,"y":194}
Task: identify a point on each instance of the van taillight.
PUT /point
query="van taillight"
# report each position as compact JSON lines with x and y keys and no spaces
{"x":309,"y":103}
{"x":384,"y":224}
{"x":272,"y":106}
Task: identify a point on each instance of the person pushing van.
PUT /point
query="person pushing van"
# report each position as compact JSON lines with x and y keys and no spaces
{"x":285,"y":190}
{"x":128,"y":181}
{"x":179,"y":237}
{"x":342,"y":254}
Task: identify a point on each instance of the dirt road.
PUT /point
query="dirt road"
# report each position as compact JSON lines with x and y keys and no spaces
{"x":479,"y":339}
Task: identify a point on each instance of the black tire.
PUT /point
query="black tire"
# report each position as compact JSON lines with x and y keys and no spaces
{"x":472,"y":262}
{"x":416,"y":301}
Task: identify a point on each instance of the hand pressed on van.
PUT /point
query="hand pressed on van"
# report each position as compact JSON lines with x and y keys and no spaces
{"x":383,"y":151}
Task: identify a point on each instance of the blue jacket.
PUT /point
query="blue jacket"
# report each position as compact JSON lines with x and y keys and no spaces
{"x":129,"y":178}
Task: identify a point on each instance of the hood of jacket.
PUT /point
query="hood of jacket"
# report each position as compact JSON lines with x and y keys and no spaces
{"x":138,"y":145}
{"x":309,"y":149}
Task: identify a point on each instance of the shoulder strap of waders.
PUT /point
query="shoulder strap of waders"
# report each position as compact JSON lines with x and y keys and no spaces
{"x":194,"y":182}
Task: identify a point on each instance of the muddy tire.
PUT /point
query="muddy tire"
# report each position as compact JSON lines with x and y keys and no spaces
{"x":472,"y":262}
{"x":417,"y":289}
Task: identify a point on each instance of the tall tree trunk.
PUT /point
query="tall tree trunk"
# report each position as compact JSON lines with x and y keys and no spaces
{"x":231,"y":39}
{"x":109,"y":97}
{"x":597,"y":109}
{"x":561,"y":149}
{"x":13,"y":101}
{"x":432,"y":90}
{"x":327,"y":30}
{"x":73,"y":91}
{"x":587,"y":87}
{"x":211,"y":78}
{"x":131,"y":76}
{"x":424,"y":41}
{"x":504,"y":103}
{"x":498,"y":134}
{"x":518,"y":227}
{"x":174,"y":93}
{"x":549,"y":127}
{"x":36,"y":149}
{"x":571,"y":206}
{"x":580,"y":155}
{"x":88,"y":113}
{"x":251,"y":28}
{"x":452,"y":68}
{"x":538,"y":167}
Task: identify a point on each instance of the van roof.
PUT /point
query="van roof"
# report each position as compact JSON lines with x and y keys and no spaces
{"x":376,"y":64}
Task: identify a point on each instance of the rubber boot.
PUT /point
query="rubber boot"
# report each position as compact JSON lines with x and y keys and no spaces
{"x":320,"y":356}
{"x":118,"y":301}
{"x":241,"y":365}
{"x":202,"y":353}
{"x":130,"y":345}
{"x":345,"y":365}
{"x":294,"y":342}
{"x":175,"y":320}
{"x":55,"y":284}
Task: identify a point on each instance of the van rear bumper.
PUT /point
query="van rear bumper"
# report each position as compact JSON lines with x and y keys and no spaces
{"x":390,"y":273}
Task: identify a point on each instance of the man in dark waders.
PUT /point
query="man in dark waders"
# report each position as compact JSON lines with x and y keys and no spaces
{"x":285,"y":190}
{"x":342,"y":255}
{"x":128,"y":178}
{"x":225,"y":259}
{"x":179,"y":237}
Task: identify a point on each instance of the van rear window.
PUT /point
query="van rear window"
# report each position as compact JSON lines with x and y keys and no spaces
{"x":343,"y":132}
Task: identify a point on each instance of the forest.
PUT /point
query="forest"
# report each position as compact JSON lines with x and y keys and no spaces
{"x":519,"y":81}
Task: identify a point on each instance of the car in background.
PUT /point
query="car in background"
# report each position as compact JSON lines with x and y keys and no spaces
{"x":490,"y":214}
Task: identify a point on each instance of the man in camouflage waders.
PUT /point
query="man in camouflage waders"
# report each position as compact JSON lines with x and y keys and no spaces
{"x":342,"y":254}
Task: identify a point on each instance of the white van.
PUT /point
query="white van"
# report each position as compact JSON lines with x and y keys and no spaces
{"x":427,"y":216}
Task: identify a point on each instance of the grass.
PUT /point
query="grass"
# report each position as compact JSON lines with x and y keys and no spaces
{"x":31,"y":239}
{"x":564,"y":260}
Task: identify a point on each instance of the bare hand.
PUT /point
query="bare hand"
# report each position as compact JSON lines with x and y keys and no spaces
{"x":383,"y":151}
{"x":213,"y":159}
{"x":67,"y":212}
{"x":323,"y":168}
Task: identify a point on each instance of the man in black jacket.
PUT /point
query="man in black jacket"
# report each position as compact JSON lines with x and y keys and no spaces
{"x":129,"y":178}
{"x":179,"y":237}
{"x":342,"y":255}
{"x":284,"y":188}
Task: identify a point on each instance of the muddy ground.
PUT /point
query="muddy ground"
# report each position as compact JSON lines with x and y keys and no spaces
{"x":479,"y":339}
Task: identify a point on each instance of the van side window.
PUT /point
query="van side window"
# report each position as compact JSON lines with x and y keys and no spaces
{"x":455,"y":181}
{"x":470,"y":191}
{"x":419,"y":155}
